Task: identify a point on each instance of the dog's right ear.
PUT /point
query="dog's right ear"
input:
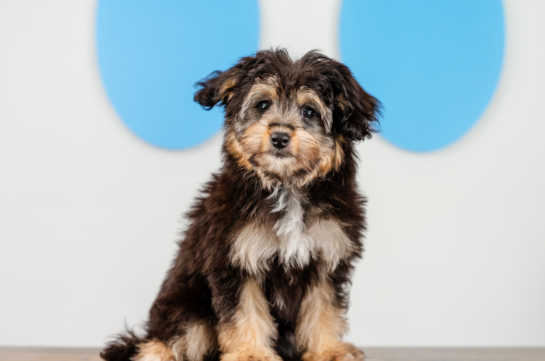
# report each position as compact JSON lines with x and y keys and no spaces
{"x":219,"y":86}
{"x":215,"y":88}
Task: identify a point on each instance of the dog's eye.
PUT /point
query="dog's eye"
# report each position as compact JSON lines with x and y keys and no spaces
{"x":308,"y":113}
{"x":264,"y":105}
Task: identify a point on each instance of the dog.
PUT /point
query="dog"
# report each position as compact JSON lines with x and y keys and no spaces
{"x":263,"y":271}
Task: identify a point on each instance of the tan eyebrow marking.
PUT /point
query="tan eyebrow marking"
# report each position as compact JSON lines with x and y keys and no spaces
{"x":262,"y":88}
{"x":306,"y":95}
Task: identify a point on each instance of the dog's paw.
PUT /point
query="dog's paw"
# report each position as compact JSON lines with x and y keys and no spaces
{"x":339,"y":352}
{"x":251,"y":355}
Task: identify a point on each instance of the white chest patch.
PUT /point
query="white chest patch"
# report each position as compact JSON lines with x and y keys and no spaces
{"x":289,"y":239}
{"x":296,"y":246}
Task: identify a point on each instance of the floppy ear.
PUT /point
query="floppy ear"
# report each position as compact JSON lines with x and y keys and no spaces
{"x":216,"y":88}
{"x":219,"y":86}
{"x":355,"y":111}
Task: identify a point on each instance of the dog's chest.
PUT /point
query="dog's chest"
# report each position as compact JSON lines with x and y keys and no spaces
{"x":290,"y":240}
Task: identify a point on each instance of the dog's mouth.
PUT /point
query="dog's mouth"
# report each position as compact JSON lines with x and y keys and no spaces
{"x":280,"y":153}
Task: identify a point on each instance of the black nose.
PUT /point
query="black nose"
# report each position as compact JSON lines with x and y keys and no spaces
{"x":280,"y":140}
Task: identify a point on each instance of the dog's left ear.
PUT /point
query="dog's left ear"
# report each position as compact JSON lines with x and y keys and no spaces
{"x":355,"y":112}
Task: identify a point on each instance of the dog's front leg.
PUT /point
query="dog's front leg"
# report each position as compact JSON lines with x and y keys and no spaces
{"x":249,"y":333}
{"x":321,"y":325}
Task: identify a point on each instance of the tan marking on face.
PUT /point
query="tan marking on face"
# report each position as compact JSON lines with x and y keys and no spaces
{"x":292,"y":148}
{"x":308,"y":149}
{"x":321,"y":325}
{"x":301,"y":154}
{"x":295,"y":143}
{"x":316,"y":158}
{"x":233,"y":146}
{"x":251,"y":329}
{"x":330,"y":159}
{"x":312,"y":151}
{"x":306,"y":96}
{"x":265,"y":138}
{"x":154,"y":351}
{"x":256,"y":138}
{"x":263,"y":88}
{"x":256,"y":141}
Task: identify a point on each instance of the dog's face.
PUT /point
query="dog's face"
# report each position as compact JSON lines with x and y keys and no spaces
{"x":290,"y":122}
{"x":284,"y":135}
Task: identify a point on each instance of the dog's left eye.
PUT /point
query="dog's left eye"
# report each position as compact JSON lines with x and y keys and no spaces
{"x":308,"y":113}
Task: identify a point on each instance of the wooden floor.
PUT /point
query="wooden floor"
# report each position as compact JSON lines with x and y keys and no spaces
{"x":373,"y":354}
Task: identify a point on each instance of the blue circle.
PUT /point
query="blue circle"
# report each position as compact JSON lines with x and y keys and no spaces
{"x":434,"y":64}
{"x":151,"y":53}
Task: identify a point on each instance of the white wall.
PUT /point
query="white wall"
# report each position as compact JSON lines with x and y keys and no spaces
{"x":89,"y":213}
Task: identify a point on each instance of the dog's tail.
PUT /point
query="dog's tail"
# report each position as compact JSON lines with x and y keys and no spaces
{"x":123,"y":347}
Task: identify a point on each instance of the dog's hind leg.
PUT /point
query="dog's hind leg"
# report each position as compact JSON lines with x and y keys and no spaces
{"x":129,"y":347}
{"x":154,"y":351}
{"x":198,"y":341}
{"x":181,"y":326}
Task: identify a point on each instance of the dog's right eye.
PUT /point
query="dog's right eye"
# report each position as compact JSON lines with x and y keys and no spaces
{"x":264,"y":105}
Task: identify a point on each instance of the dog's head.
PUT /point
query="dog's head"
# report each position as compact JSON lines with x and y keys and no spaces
{"x":289,"y":121}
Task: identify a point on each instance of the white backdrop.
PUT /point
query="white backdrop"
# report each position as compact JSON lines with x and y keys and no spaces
{"x":89,"y":214}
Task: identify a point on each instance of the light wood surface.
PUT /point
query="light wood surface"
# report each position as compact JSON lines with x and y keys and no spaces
{"x":48,"y":354}
{"x":373,"y":354}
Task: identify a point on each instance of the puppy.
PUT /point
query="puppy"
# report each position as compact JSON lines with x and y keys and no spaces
{"x":264,"y":269}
